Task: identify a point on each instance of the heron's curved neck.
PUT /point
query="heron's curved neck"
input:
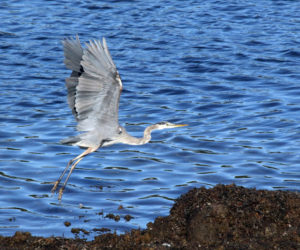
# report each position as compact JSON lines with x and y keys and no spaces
{"x":143,"y":140}
{"x":147,"y":134}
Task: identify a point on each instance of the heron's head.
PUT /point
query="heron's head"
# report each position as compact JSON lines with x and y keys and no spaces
{"x":163,"y":125}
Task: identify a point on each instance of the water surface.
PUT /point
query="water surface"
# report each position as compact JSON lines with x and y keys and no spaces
{"x":228,"y":69}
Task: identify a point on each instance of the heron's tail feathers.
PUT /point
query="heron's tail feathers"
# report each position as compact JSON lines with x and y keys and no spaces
{"x":72,"y":140}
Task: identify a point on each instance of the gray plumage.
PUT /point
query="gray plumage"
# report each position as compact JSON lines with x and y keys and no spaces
{"x":94,"y":89}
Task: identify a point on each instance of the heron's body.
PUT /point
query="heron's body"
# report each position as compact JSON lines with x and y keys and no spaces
{"x":94,"y":90}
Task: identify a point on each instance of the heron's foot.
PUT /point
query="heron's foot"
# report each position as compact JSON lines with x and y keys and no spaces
{"x":55,"y":186}
{"x":61,"y":190}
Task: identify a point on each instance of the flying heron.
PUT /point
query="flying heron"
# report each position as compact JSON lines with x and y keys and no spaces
{"x":94,"y":89}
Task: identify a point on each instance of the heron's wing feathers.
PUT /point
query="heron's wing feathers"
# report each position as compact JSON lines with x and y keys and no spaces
{"x":73,"y":54}
{"x":97,"y":91}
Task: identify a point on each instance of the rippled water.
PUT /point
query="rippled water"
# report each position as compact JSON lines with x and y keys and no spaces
{"x":230,"y":69}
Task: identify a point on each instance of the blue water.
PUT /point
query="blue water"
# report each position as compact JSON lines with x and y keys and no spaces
{"x":230,"y":69}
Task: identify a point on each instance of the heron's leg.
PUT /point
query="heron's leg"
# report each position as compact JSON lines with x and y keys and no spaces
{"x":61,"y":190}
{"x":78,"y":158}
{"x":62,"y":175}
{"x":65,"y":170}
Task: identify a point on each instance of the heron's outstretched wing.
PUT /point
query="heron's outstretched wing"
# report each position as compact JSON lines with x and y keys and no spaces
{"x":97,"y":88}
{"x":73,"y":55}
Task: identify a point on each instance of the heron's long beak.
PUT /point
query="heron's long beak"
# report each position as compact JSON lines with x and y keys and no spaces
{"x":180,"y":125}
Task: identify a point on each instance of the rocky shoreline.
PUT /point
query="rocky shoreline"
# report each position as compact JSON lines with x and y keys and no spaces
{"x":223,"y":217}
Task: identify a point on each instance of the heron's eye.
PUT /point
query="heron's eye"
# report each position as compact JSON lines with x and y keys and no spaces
{"x":161,"y":123}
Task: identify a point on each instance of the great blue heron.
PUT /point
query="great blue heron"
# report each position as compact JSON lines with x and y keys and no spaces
{"x":94,"y":89}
